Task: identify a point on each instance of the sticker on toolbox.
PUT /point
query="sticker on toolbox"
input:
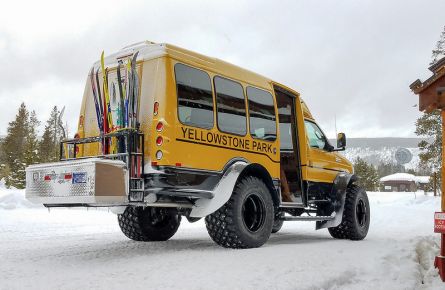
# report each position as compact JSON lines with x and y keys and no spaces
{"x":79,"y":177}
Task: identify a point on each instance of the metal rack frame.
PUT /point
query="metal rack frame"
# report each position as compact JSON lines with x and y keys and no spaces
{"x":132,"y":154}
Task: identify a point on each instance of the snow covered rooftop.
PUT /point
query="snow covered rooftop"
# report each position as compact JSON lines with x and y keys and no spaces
{"x":405,"y":177}
{"x":423,"y":179}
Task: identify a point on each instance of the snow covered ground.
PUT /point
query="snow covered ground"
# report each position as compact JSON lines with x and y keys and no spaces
{"x":79,"y":249}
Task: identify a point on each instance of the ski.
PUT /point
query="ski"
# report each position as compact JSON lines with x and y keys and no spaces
{"x":121,"y":143}
{"x":99,"y":96}
{"x":135,"y":91}
{"x":121,"y":95}
{"x":96,"y":104}
{"x":129,"y":93}
{"x":107,"y":106}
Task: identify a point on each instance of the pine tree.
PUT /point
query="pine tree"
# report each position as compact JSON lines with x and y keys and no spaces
{"x":14,"y":147}
{"x":439,"y":50}
{"x":429,"y":125}
{"x":386,"y":168}
{"x":367,"y":174}
{"x":32,"y":143}
{"x":53,"y":134}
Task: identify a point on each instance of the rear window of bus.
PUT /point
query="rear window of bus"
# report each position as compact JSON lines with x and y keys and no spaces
{"x":195,"y":99}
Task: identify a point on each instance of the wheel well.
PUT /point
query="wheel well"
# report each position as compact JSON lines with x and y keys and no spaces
{"x":260,"y":172}
{"x":352,"y":180}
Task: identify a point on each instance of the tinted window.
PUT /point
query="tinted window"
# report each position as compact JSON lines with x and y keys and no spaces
{"x":262,"y":114}
{"x":285,"y":119}
{"x":316,"y":137}
{"x":230,"y":106}
{"x":195,"y":101}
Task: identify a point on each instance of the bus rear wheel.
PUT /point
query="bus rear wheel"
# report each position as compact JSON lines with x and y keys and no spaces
{"x":246,"y":219}
{"x":149,"y":223}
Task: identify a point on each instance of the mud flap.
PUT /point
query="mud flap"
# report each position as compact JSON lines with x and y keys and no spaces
{"x":222,"y":192}
{"x":338,"y":196}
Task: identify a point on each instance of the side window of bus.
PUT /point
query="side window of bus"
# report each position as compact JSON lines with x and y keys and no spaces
{"x":230,"y":106}
{"x":316,"y":137}
{"x":261,"y":114}
{"x":195,"y":100}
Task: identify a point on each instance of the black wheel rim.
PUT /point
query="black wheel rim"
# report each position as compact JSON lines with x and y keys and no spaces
{"x":253,"y":212}
{"x":361,"y":213}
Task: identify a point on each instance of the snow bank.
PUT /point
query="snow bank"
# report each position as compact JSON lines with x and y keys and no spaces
{"x":13,"y":198}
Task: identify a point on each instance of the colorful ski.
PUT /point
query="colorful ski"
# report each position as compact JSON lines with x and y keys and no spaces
{"x":99,"y":96}
{"x":121,"y":95}
{"x":129,"y":93}
{"x":135,"y":91}
{"x":108,"y":119}
{"x":96,"y":104}
{"x":106,"y":93}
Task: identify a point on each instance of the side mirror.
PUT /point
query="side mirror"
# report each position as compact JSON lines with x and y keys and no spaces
{"x":341,"y":141}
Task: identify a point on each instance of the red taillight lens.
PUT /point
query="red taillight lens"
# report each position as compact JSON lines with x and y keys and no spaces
{"x":77,"y":136}
{"x":159,"y":127}
{"x":159,"y":141}
{"x":155,"y":108}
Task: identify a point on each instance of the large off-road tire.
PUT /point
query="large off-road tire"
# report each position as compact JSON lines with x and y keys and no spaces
{"x":246,"y":219}
{"x":149,"y":223}
{"x":356,"y":216}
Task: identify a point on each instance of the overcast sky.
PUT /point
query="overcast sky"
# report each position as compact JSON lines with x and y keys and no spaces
{"x":352,"y":60}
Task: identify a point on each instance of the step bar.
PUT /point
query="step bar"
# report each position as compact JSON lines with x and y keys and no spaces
{"x":308,"y":218}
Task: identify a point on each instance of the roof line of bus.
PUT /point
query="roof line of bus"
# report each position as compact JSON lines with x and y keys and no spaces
{"x":150,"y":50}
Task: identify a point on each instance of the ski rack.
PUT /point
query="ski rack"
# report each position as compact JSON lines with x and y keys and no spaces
{"x":132,"y":156}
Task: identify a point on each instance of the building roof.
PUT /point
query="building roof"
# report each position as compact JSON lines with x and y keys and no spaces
{"x":423,"y":179}
{"x":405,"y":177}
{"x":430,"y":91}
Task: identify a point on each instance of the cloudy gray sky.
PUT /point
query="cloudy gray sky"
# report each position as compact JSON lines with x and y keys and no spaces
{"x":350,"y":60}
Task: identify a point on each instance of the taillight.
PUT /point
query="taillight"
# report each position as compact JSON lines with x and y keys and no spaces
{"x":76,"y":136}
{"x":155,"y":108}
{"x":159,"y":141}
{"x":159,"y":127}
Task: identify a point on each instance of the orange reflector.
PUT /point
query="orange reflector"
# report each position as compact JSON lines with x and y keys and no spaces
{"x":178,"y":164}
{"x":154,"y":163}
{"x":159,"y":141}
{"x":159,"y":127}
{"x":155,"y":108}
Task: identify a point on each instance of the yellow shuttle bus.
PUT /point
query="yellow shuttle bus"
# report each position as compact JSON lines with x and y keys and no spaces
{"x":165,"y":132}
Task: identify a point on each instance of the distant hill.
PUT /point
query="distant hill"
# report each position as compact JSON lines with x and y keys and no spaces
{"x":377,"y":150}
{"x":376,"y":143}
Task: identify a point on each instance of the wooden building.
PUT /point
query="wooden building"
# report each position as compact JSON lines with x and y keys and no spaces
{"x":403,"y":182}
{"x":432,"y":97}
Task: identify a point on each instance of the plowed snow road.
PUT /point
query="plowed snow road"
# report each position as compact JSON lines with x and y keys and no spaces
{"x":79,"y":249}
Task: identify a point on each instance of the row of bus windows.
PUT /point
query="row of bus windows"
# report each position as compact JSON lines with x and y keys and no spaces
{"x":195,"y":104}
